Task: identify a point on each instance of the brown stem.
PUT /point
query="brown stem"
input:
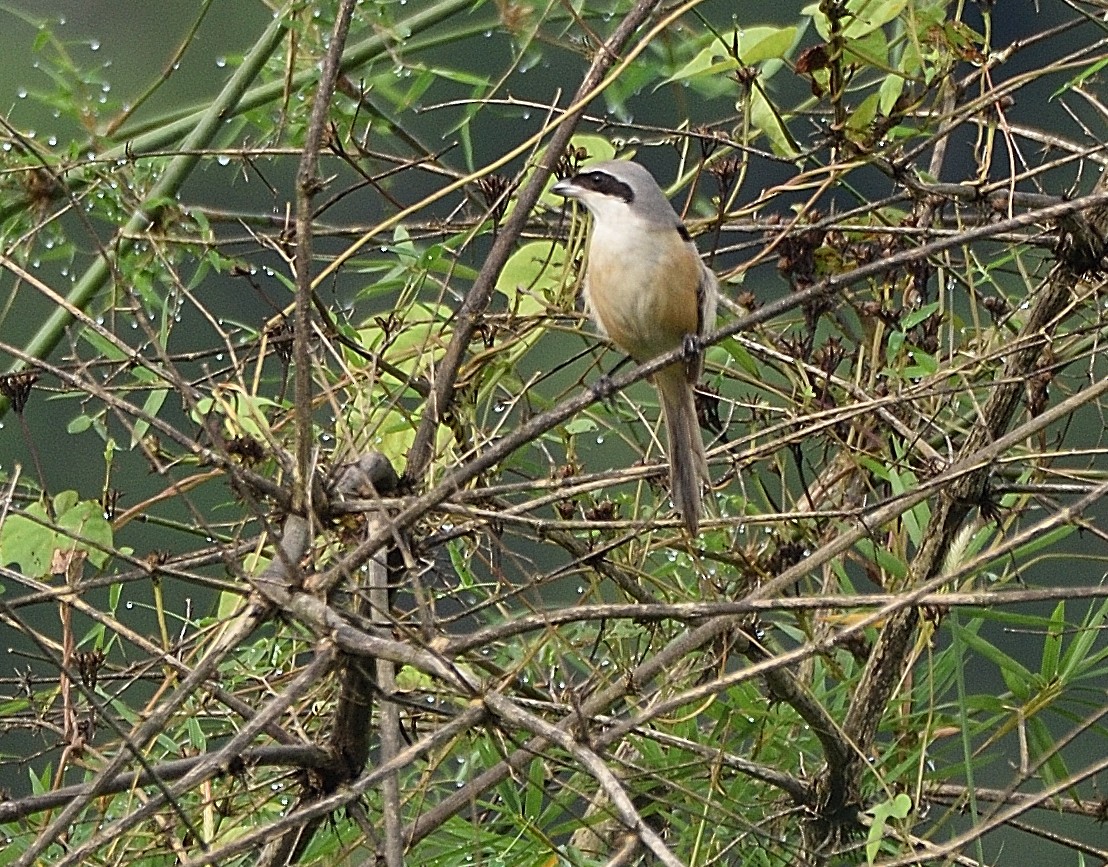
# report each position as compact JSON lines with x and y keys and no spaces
{"x":469,"y":314}
{"x":307,"y":185}
{"x":839,"y":786}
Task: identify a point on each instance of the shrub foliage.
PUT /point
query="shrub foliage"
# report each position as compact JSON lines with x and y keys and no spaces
{"x":381,"y":562}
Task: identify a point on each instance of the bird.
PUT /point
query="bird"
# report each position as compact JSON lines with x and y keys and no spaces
{"x":648,"y":290}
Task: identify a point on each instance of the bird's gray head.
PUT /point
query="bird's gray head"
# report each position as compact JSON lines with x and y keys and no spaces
{"x":618,"y":189}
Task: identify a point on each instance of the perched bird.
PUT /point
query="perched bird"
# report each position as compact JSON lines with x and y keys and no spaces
{"x":649,"y":291}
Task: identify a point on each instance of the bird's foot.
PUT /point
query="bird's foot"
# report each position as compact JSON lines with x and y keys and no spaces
{"x":603,"y":388}
{"x":691,"y":347}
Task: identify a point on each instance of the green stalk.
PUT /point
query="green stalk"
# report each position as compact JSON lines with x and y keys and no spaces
{"x":357,"y":55}
{"x":199,"y":128}
{"x":150,"y":136}
{"x":203,"y":130}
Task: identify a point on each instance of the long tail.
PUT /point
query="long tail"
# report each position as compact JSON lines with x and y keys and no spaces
{"x":688,"y":467}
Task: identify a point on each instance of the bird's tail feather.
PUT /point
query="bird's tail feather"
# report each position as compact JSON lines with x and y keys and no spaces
{"x":688,"y":466}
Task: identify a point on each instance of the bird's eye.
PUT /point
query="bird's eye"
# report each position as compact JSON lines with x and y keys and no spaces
{"x":607,"y":185}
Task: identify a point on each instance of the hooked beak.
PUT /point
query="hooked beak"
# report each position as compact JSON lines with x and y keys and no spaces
{"x":565,"y":188}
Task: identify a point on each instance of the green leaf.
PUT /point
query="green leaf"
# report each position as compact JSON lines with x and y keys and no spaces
{"x":863,"y":16}
{"x":1018,"y":678}
{"x":27,"y":543}
{"x":197,"y":739}
{"x":893,"y":346}
{"x":861,"y":118}
{"x":580,"y":425}
{"x":889,"y":92}
{"x":1081,"y":77}
{"x":1046,"y":540}
{"x":757,"y":44}
{"x":42,"y":784}
{"x":535,"y":791}
{"x":92,"y":533}
{"x":868,"y":15}
{"x":459,"y":559}
{"x":754,"y":45}
{"x":1042,"y":744}
{"x":150,"y":407}
{"x":744,"y":359}
{"x":925,"y":364}
{"x":410,"y":679}
{"x":65,"y":501}
{"x":766,"y":121}
{"x":916,"y":518}
{"x":917,"y":316}
{"x":883,"y":558}
{"x":872,"y":49}
{"x":534,"y":270}
{"x":710,"y":62}
{"x":898,"y":807}
{"x":1076,"y":657}
{"x":1052,"y":643}
{"x":596,"y":146}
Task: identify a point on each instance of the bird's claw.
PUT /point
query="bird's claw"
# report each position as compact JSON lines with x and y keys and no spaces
{"x":603,"y":387}
{"x":692,"y":348}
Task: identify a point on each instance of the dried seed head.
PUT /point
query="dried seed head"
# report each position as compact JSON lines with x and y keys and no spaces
{"x":496,"y":190}
{"x":16,"y":387}
{"x":726,"y":171}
